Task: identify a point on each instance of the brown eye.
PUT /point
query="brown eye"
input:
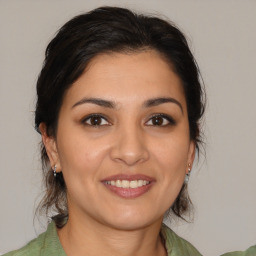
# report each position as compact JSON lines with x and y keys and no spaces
{"x":160,"y":120}
{"x":157,"y":120}
{"x":95,"y":120}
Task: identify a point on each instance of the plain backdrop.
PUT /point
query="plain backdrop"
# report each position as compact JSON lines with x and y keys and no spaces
{"x":222,"y":36}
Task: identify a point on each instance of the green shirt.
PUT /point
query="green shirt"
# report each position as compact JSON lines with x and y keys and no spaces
{"x":249,"y":252}
{"x":48,"y":243}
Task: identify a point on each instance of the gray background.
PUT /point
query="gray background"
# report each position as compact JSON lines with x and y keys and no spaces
{"x":222,"y":36}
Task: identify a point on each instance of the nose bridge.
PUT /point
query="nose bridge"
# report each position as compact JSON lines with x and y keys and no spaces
{"x":130,"y":144}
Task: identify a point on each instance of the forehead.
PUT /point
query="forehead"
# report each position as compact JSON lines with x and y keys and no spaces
{"x":128,"y":76}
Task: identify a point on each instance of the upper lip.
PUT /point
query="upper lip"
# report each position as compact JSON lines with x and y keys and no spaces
{"x":129,"y":177}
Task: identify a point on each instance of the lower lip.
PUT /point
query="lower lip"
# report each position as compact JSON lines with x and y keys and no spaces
{"x":129,"y":193}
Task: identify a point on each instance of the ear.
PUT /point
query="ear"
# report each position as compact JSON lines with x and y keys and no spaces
{"x":191,"y":154}
{"x":50,"y":146}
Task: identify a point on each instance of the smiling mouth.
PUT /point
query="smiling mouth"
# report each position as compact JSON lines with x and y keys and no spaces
{"x":127,"y":183}
{"x":129,"y":186}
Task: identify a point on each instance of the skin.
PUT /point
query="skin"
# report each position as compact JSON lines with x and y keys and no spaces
{"x":127,"y":141}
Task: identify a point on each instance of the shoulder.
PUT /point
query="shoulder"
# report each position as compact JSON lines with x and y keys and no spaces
{"x":45,"y":244}
{"x":32,"y":248}
{"x":176,"y":245}
{"x":249,"y":252}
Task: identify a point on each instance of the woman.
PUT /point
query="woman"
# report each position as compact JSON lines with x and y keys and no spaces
{"x":119,"y":105}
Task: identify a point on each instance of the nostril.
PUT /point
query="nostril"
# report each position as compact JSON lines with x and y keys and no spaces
{"x":130,"y":152}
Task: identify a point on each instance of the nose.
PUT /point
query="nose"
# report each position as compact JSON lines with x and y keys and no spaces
{"x":129,"y":146}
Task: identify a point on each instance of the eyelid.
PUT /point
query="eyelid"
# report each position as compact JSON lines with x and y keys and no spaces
{"x":86,"y":118}
{"x":170,"y":120}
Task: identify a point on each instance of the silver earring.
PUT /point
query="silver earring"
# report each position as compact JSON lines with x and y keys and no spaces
{"x":54,"y":171}
{"x":187,"y":178}
{"x":187,"y":174}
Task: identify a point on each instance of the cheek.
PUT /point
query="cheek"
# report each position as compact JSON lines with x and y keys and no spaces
{"x":171,"y":153}
{"x":80,"y":155}
{"x":171,"y":158}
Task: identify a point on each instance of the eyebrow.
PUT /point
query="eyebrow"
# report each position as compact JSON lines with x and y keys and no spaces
{"x":96,"y":101}
{"x":110,"y":104}
{"x":162,"y":100}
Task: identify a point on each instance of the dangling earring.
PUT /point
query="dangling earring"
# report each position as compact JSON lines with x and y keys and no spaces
{"x":54,"y":171}
{"x":187,"y":174}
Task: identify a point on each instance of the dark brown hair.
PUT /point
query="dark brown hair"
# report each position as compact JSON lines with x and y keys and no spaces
{"x":106,"y":30}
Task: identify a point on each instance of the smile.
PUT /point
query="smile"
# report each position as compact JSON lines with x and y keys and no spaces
{"x":129,"y":186}
{"x":127,"y":183}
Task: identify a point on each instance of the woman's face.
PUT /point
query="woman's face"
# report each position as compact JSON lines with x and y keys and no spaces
{"x":123,"y":140}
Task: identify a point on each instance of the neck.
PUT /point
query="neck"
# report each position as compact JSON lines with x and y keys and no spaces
{"x":88,"y":237}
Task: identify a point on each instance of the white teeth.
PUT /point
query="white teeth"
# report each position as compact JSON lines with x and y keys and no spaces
{"x":140,"y":183}
{"x":127,"y":183}
{"x":134,"y":184}
{"x":118,"y":183}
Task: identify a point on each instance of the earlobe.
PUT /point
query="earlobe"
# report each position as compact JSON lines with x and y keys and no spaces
{"x":50,"y":146}
{"x":191,"y":154}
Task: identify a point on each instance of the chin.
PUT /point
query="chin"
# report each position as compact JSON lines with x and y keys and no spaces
{"x":129,"y":225}
{"x":132,"y":219}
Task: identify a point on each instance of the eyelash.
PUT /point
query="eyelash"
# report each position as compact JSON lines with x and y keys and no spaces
{"x":166,"y":118}
{"x":101,"y":117}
